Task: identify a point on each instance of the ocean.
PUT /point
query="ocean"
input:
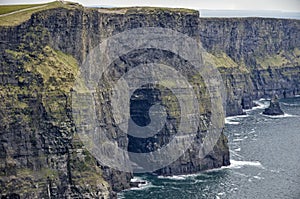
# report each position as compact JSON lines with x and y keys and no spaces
{"x":265,"y":162}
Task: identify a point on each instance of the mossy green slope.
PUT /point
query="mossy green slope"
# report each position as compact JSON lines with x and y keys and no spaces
{"x":35,"y":105}
{"x":13,"y":15}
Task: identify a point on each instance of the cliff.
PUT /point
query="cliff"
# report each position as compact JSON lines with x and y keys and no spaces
{"x":41,"y":156}
{"x":258,"y":57}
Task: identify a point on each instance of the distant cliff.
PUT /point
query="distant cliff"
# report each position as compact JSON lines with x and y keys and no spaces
{"x":40,"y":155}
{"x":258,"y":57}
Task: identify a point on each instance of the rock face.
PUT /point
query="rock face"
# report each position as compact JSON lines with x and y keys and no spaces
{"x":40,"y":154}
{"x":274,"y":108}
{"x":256,"y":61}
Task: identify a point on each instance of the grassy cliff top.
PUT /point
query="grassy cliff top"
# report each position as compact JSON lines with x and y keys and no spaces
{"x":11,"y":15}
{"x":146,"y":10}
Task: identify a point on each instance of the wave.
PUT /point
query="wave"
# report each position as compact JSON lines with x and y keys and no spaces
{"x":237,"y":140}
{"x":287,"y":104}
{"x":258,"y":177}
{"x":181,"y":177}
{"x":234,"y":119}
{"x":221,"y":193}
{"x":261,"y":104}
{"x":280,"y":116}
{"x":234,"y":164}
{"x":235,"y":154}
{"x":120,"y":195}
{"x":147,"y":185}
{"x":238,"y":164}
{"x":174,"y":177}
{"x":252,"y":131}
{"x":141,"y":186}
{"x":137,"y":179}
{"x":263,"y":99}
{"x":238,"y":149}
{"x":230,"y":122}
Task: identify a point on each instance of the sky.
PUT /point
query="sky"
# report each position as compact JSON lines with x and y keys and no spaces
{"x":280,"y":5}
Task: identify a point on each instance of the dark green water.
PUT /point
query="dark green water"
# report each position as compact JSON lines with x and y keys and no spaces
{"x":265,"y":162}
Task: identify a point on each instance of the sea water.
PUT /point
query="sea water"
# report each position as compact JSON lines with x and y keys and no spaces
{"x":265,"y":162}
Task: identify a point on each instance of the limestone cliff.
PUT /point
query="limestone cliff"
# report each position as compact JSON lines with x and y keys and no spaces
{"x":258,"y":57}
{"x":41,"y":156}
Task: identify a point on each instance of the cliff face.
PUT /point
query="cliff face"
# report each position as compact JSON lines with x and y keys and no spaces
{"x":264,"y":55}
{"x":40,"y":154}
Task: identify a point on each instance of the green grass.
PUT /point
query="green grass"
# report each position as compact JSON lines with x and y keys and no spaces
{"x":24,"y":15}
{"x":282,"y":59}
{"x":147,"y":10}
{"x":24,"y":12}
{"x":4,"y":9}
{"x":57,"y":72}
{"x":57,"y":69}
{"x":223,"y":62}
{"x":220,"y":60}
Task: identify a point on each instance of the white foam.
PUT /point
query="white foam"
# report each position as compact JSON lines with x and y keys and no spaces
{"x":258,"y":177}
{"x":234,"y":153}
{"x":240,"y":174}
{"x":287,"y":104}
{"x":143,"y":185}
{"x":120,"y":195}
{"x":234,"y":119}
{"x":252,"y":131}
{"x":221,"y":193}
{"x":181,"y":177}
{"x":174,"y":177}
{"x":238,"y":149}
{"x":238,"y":164}
{"x":237,"y":140}
{"x":280,"y":116}
{"x":147,"y":185}
{"x":230,"y":122}
{"x":136,"y":179}
{"x":234,"y":164}
{"x":275,"y":171}
{"x":264,"y":99}
{"x":261,"y":104}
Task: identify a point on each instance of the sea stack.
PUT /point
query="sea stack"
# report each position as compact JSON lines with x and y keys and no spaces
{"x":274,"y":108}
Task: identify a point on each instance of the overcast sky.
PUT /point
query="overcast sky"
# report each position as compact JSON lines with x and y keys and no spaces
{"x":283,"y":5}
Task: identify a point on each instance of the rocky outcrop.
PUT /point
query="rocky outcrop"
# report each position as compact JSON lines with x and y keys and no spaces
{"x":274,"y":108}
